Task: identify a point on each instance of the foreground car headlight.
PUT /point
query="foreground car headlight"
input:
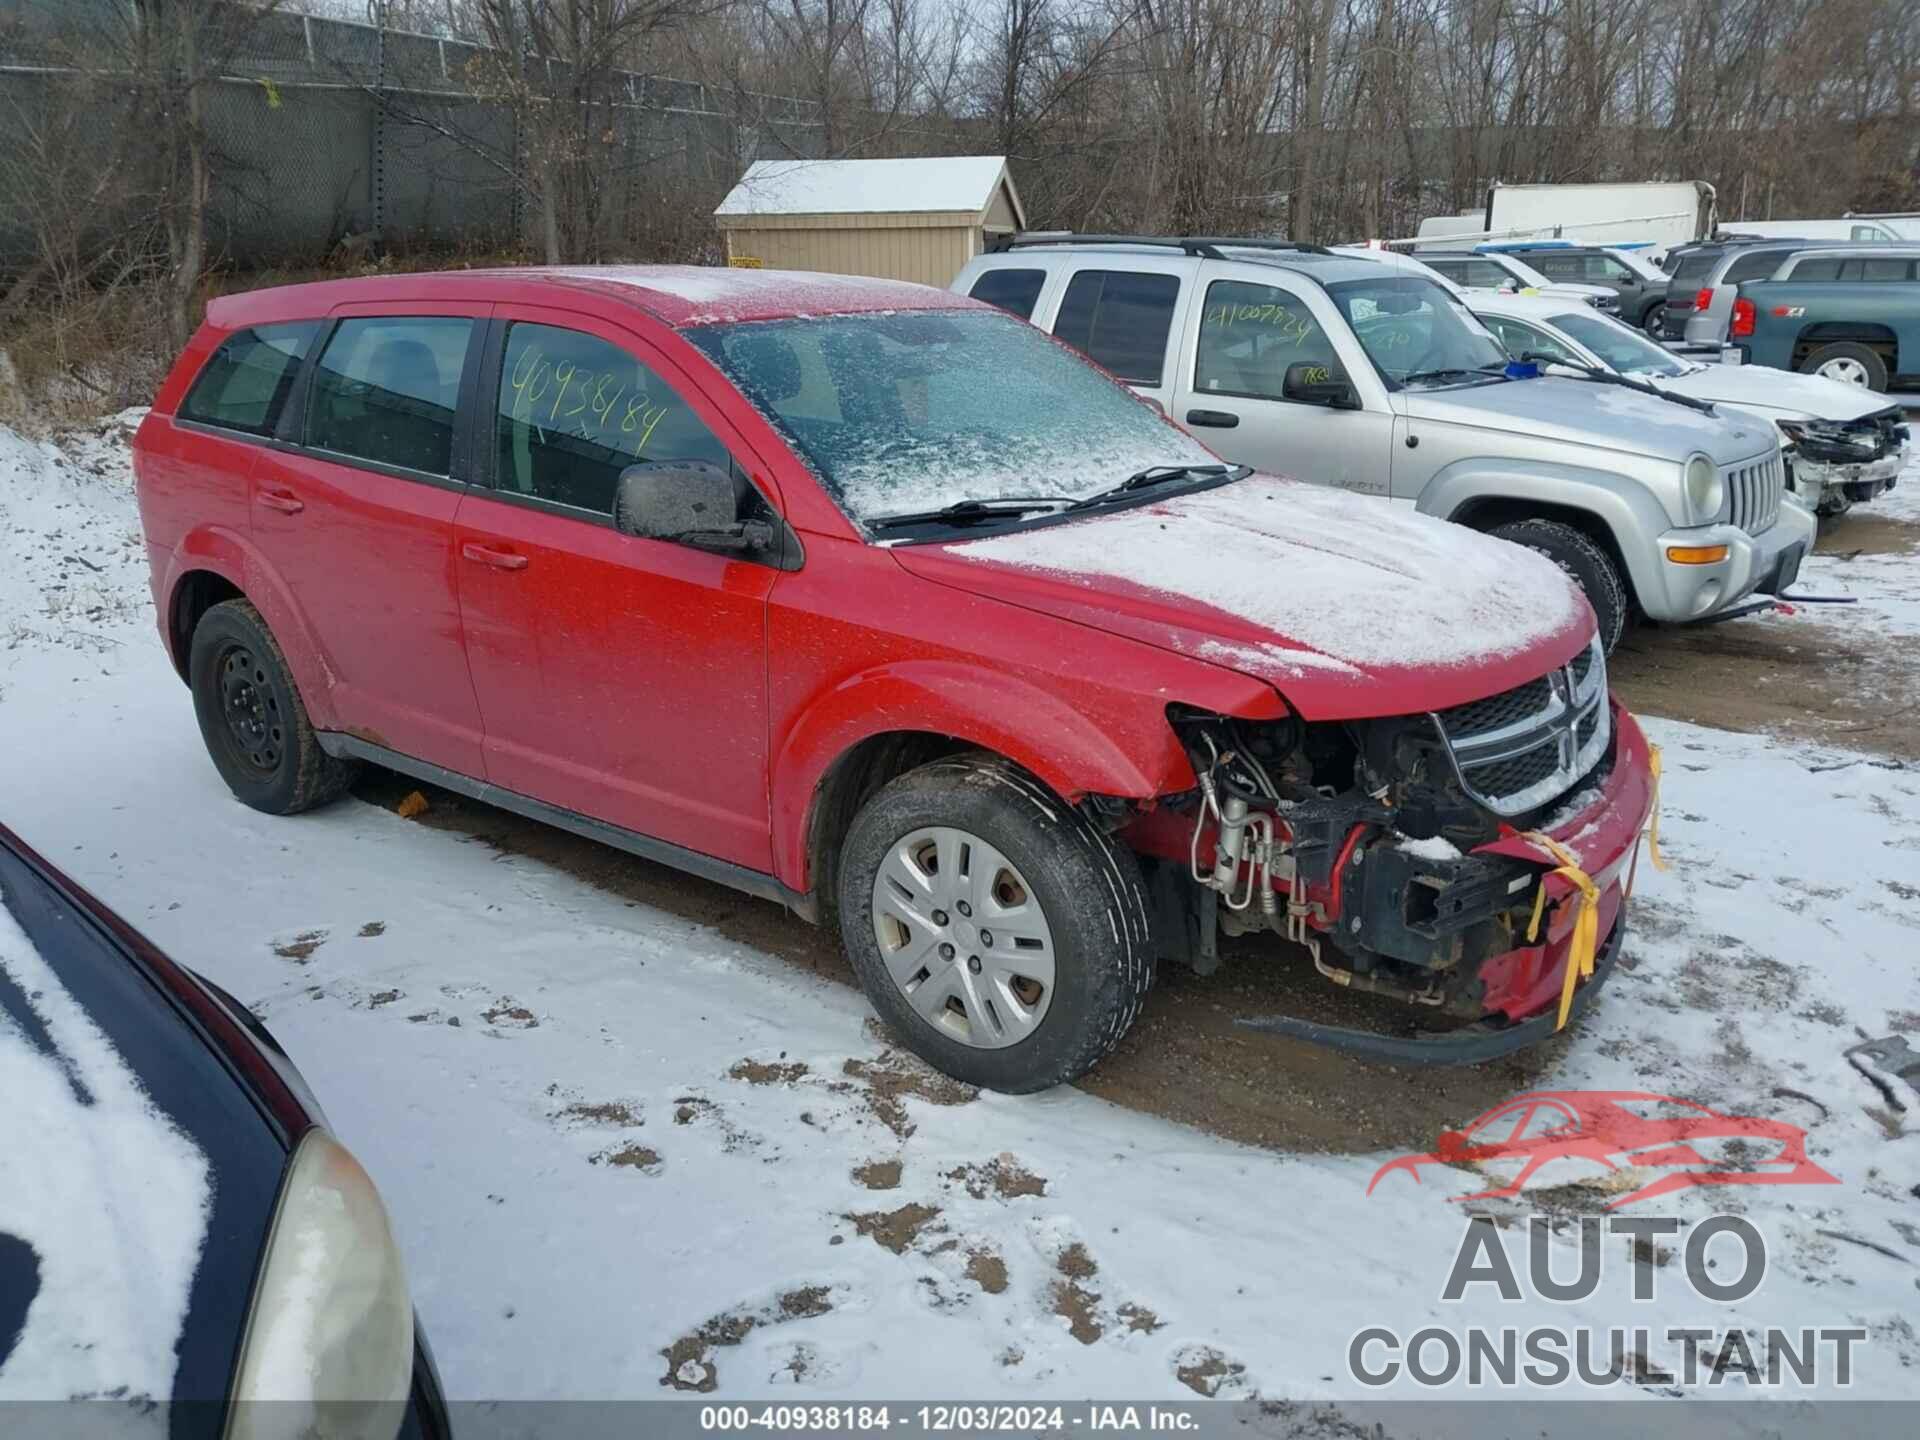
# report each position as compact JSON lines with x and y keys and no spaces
{"x":1705,"y":490}
{"x":331,"y":1330}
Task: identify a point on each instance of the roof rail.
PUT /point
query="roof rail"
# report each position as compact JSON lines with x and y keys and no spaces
{"x":1207,"y":247}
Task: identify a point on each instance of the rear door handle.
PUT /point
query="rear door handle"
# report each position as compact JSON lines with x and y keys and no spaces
{"x":498,"y":559}
{"x":1218,"y":419}
{"x":285,"y":501}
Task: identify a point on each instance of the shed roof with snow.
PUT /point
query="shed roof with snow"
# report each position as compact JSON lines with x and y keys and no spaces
{"x":918,"y":219}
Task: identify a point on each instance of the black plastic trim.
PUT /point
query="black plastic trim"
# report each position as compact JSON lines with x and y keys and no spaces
{"x":724,"y":872}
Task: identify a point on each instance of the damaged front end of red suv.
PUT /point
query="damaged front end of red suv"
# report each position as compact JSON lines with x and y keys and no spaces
{"x":1440,"y":859}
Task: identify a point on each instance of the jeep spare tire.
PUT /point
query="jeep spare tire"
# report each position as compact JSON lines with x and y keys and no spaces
{"x":1001,"y":934}
{"x":1585,"y":563}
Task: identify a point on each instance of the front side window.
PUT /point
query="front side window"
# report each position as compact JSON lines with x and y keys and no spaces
{"x":1250,"y":334}
{"x":386,"y":390}
{"x":899,"y":413}
{"x":1415,"y":333}
{"x":1014,"y":291}
{"x":1121,"y":319}
{"x":1622,"y":347}
{"x":1522,"y":340}
{"x":249,"y":377}
{"x":573,"y":411}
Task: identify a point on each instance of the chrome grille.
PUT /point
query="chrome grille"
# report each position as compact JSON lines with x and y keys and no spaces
{"x":1516,"y":751}
{"x":1754,"y":491}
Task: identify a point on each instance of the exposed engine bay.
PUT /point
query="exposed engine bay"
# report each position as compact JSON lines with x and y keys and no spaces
{"x":1352,"y":839}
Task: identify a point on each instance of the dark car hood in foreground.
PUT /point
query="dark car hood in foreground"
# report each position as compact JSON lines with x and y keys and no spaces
{"x":155,"y":1172}
{"x":1349,"y":606}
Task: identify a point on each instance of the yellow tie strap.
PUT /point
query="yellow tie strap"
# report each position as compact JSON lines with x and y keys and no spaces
{"x":1586,"y":919}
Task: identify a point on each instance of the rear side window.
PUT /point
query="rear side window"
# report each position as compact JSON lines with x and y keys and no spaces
{"x":1692,"y":271}
{"x":386,"y":390}
{"x":574,"y":411}
{"x":1560,"y":267}
{"x":1885,"y":269}
{"x":1120,"y":319}
{"x":1822,"y":269}
{"x":1250,"y":334}
{"x":1751,"y":267}
{"x":1014,"y":291}
{"x":247,"y":381}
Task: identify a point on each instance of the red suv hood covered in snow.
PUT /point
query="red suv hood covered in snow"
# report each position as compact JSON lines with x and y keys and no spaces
{"x":1349,"y":606}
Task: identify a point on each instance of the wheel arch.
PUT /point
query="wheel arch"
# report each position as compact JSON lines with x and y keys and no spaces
{"x":1873,"y":335}
{"x":1489,"y":512}
{"x":212,"y":565}
{"x":863,"y":732}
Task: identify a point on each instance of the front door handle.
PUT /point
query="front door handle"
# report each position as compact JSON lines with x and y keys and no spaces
{"x":1218,"y":419}
{"x":285,"y":501}
{"x":498,"y":559}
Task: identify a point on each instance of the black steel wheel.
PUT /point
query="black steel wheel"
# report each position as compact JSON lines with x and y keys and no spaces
{"x":252,"y":720}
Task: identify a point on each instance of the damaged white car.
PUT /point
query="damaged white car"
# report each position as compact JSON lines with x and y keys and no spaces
{"x":1842,"y":444}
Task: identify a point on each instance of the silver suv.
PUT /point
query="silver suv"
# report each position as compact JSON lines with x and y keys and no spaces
{"x":1711,"y":297}
{"x":1351,"y":373}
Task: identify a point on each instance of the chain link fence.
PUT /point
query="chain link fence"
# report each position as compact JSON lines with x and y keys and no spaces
{"x":328,"y":133}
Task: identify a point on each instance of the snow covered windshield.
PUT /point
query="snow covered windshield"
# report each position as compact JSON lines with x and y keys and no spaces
{"x":1625,"y":350}
{"x":900,"y":412}
{"x":1418,"y":334}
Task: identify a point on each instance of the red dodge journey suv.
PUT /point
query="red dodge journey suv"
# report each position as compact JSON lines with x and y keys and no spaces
{"x":878,"y":602}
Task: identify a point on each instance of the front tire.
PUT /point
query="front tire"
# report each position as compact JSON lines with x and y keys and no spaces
{"x":1654,"y":321}
{"x":1849,"y":363}
{"x":255,"y":727}
{"x":999,"y":933}
{"x":1585,"y":563}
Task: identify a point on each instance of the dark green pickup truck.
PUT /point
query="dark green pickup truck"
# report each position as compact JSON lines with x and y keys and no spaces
{"x":1853,"y":317}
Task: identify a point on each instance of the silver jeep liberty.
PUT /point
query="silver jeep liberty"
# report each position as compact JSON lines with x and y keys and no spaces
{"x":1347,"y":372}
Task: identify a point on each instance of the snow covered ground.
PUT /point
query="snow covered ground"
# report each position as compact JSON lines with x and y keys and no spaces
{"x":625,"y":1154}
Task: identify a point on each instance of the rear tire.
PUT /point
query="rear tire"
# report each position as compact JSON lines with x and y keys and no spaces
{"x":1848,"y":362}
{"x":1586,"y":564}
{"x":255,"y":727}
{"x":970,"y":859}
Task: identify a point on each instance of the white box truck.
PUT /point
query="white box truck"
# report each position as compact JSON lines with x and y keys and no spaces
{"x":1657,"y":214}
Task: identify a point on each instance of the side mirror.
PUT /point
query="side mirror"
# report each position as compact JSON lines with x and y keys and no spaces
{"x":690,"y":501}
{"x":1313,"y":382}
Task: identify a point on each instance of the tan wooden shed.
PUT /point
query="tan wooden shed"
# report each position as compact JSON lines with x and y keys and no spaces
{"x":915,"y":220}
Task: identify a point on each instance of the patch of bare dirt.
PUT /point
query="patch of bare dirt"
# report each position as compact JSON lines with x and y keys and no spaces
{"x":1074,"y":1302}
{"x":879,"y":1175}
{"x":987,"y":1270}
{"x":605,"y":1112}
{"x":1003,"y":1176}
{"x":893,"y":1077}
{"x":631,"y":1157}
{"x":895,"y":1230}
{"x":768,"y":1072}
{"x":382,"y":997}
{"x":1140,"y":1320}
{"x":1075,"y":1263}
{"x":373,"y":929}
{"x":1205,"y":1371}
{"x":300,"y":949}
{"x":504,"y":1012}
{"x":690,"y":1363}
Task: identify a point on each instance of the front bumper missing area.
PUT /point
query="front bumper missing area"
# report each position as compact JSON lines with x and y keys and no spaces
{"x":1472,"y":1044}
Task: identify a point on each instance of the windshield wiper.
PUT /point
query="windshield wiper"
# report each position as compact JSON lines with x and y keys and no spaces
{"x":1158,"y":474}
{"x":1608,"y":377}
{"x":1450,"y":371}
{"x":972,"y":512}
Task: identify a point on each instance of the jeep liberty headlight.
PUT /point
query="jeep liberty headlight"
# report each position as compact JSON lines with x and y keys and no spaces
{"x":1705,"y":491}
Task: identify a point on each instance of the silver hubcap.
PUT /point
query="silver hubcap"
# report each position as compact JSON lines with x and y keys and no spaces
{"x":964,"y":937}
{"x":1846,"y":370}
